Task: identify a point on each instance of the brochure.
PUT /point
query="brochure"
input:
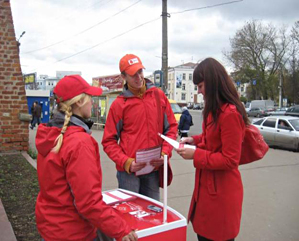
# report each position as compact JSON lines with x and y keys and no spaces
{"x":176,"y":144}
{"x":115,"y":196}
{"x":146,"y":155}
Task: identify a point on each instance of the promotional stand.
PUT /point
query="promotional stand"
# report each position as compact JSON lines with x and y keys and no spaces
{"x":152,"y":220}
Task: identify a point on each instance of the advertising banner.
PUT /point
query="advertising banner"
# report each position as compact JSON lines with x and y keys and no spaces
{"x":111,"y":82}
{"x":29,"y":80}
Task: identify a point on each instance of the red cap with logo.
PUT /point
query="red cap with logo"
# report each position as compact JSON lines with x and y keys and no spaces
{"x":72,"y":85}
{"x":130,"y":64}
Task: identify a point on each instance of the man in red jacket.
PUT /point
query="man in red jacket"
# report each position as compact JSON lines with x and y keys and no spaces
{"x":133,"y":123}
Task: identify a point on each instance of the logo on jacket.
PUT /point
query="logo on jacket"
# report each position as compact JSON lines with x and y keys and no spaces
{"x":133,"y":61}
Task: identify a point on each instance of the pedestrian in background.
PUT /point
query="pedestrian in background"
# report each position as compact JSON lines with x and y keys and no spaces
{"x":37,"y":112}
{"x":70,"y":204}
{"x":32,"y":113}
{"x":216,"y":204}
{"x":134,"y":120}
{"x":185,"y":122}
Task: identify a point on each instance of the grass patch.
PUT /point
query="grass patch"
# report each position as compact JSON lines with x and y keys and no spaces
{"x":18,"y":191}
{"x":33,"y":153}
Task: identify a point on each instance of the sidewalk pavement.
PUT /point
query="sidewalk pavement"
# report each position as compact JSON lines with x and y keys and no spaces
{"x":179,"y":192}
{"x":6,"y":230}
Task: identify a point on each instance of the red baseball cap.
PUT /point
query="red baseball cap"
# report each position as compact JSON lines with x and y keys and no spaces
{"x":130,"y":63}
{"x":72,"y":85}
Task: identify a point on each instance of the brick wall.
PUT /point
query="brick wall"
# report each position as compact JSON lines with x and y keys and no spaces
{"x":13,"y":132}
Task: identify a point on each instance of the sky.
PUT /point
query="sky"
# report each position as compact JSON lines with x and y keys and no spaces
{"x":91,"y":36}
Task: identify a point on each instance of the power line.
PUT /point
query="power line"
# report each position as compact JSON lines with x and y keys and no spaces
{"x":121,"y":34}
{"x":108,"y":40}
{"x":85,"y":9}
{"x":117,"y":36}
{"x":83,"y":31}
{"x":211,"y":6}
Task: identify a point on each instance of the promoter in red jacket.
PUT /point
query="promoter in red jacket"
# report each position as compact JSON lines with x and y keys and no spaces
{"x":70,"y":205}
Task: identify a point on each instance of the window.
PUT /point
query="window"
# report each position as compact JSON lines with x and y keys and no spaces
{"x":270,"y":122}
{"x":258,"y":122}
{"x":183,"y":96}
{"x":190,"y":76}
{"x":184,"y":76}
{"x":295,"y":124}
{"x":282,"y":124}
{"x":242,"y":89}
{"x":183,"y":87}
{"x":195,"y":87}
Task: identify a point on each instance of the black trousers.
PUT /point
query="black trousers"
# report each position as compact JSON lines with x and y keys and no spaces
{"x":184,"y":134}
{"x":200,"y":238}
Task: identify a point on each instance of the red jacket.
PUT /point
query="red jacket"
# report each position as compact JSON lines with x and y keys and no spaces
{"x":69,"y":205}
{"x":216,"y":204}
{"x":135,"y":122}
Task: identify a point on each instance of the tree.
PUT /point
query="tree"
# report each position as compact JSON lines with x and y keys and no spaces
{"x":257,"y":52}
{"x":292,"y":78}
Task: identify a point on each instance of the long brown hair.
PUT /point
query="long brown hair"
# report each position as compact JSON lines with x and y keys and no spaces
{"x":219,"y":89}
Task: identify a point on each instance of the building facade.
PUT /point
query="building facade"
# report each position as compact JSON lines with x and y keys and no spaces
{"x":14,"y":130}
{"x":180,"y":85}
{"x":45,"y":82}
{"x":242,"y":89}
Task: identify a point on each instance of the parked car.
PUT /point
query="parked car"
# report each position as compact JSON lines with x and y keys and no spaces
{"x":280,"y":131}
{"x":278,"y":111}
{"x":247,"y":106}
{"x":257,"y":112}
{"x":196,"y":107}
{"x":293,"y":111}
{"x":190,"y":105}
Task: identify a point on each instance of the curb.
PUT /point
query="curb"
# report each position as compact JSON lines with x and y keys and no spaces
{"x":29,"y":159}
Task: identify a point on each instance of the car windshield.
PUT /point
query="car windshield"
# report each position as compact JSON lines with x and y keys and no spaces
{"x":176,"y":109}
{"x":295,"y":124}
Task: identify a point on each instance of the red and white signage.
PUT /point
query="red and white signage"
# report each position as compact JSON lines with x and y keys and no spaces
{"x":112,"y":82}
{"x":149,"y":224}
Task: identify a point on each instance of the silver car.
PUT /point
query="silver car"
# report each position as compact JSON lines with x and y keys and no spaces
{"x":257,"y":112}
{"x":280,"y":131}
{"x":279,"y":111}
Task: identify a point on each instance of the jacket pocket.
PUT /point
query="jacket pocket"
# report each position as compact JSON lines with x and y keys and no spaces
{"x":211,"y":182}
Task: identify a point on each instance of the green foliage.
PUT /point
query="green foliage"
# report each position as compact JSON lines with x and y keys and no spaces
{"x":31,"y":152}
{"x":243,"y":99}
{"x":267,"y":54}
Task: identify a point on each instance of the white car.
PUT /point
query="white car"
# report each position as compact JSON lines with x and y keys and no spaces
{"x":280,"y":131}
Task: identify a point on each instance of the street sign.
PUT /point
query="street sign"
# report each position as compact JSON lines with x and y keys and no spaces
{"x":254,"y":82}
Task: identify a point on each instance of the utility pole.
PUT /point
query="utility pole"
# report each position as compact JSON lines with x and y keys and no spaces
{"x":165,"y":15}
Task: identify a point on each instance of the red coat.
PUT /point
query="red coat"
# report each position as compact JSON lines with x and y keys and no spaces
{"x":135,"y":122}
{"x":216,"y":204}
{"x":69,"y":205}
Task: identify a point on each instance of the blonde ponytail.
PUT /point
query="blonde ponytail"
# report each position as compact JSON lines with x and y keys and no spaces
{"x":66,"y":107}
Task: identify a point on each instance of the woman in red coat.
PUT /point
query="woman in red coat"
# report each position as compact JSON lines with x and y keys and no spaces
{"x":216,"y":204}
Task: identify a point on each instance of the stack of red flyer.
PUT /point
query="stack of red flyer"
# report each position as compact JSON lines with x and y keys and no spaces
{"x":116,"y":196}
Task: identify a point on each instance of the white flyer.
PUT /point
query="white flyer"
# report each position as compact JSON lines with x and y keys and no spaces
{"x":176,"y":144}
{"x":146,"y":155}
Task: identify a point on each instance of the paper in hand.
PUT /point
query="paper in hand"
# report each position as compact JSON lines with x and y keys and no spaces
{"x":176,"y":144}
{"x":146,"y":155}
